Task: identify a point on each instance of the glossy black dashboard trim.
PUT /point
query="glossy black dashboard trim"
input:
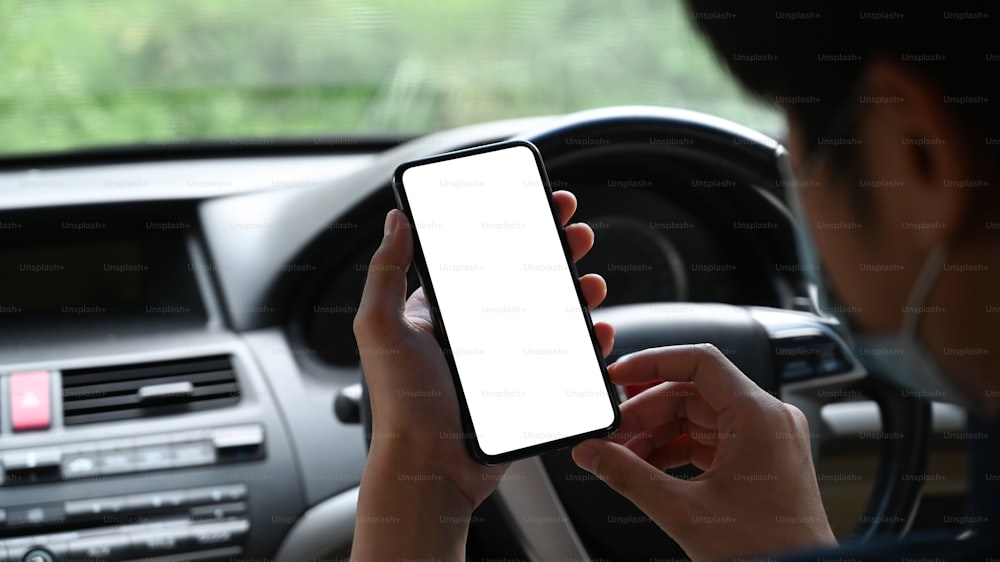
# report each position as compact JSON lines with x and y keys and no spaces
{"x":194,"y":150}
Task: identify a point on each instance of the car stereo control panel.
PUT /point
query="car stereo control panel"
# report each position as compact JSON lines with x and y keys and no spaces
{"x":174,"y":454}
{"x":203,"y":523}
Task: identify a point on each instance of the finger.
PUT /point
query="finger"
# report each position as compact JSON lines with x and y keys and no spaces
{"x":594,"y":289}
{"x":665,"y":403}
{"x":379,"y":315}
{"x":580,"y":238}
{"x":666,"y":434}
{"x":565,"y":204}
{"x":717,"y":379}
{"x":605,"y":337}
{"x":676,"y":444}
{"x":683,"y":451}
{"x":644,"y":443}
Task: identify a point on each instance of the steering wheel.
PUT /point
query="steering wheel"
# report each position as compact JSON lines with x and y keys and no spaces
{"x":797,"y":355}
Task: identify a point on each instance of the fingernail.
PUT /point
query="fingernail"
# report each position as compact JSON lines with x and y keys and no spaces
{"x":586,"y":456}
{"x":390,"y":222}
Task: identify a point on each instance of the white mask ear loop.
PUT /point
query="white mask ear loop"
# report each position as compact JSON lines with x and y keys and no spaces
{"x":929,"y":274}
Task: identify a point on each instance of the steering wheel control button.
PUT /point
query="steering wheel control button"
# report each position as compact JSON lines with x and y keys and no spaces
{"x":30,"y":400}
{"x":806,"y":356}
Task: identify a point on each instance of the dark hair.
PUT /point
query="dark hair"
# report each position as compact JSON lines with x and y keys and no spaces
{"x":807,"y":57}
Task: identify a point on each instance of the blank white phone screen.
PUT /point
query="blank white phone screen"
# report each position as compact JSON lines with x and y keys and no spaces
{"x":521,"y":345}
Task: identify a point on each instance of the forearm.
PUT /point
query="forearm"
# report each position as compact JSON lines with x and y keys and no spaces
{"x":408,"y":512}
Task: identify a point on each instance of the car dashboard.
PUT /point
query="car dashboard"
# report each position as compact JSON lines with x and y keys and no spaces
{"x":134,"y":424}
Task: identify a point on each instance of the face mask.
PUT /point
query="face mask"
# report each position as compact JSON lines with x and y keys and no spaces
{"x":902,"y":357}
{"x":899,"y":357}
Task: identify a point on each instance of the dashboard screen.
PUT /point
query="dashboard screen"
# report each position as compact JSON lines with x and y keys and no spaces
{"x":73,"y":278}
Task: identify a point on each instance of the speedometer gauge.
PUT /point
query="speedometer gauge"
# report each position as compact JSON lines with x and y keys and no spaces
{"x":639,"y":263}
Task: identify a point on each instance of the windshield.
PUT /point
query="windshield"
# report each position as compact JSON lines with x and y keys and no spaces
{"x":85,"y":73}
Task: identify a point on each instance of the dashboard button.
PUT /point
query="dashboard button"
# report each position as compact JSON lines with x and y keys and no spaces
{"x":220,"y":533}
{"x":96,"y":506}
{"x":31,"y":459}
{"x":117,"y":461}
{"x":56,"y":544}
{"x":192,"y":454}
{"x":80,"y":465}
{"x":216,"y":494}
{"x":218,"y":511}
{"x":30,"y":400}
{"x":242,"y":436}
{"x":39,"y":555}
{"x":155,"y":500}
{"x":31,"y":516}
{"x":189,"y":435}
{"x":17,"y":548}
{"x":155,"y":457}
{"x":104,"y":547}
{"x":152,"y":542}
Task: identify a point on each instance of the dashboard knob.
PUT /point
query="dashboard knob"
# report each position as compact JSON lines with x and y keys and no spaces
{"x":347,"y":404}
{"x":39,"y":555}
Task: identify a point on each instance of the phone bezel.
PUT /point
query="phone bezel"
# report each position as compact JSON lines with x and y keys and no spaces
{"x":399,"y":190}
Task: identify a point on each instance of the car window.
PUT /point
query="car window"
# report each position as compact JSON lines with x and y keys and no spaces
{"x":83,"y":73}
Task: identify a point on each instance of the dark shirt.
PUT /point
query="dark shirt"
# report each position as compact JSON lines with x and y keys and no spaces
{"x":982,"y":545}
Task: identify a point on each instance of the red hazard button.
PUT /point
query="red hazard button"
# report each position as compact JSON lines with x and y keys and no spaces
{"x":29,"y":400}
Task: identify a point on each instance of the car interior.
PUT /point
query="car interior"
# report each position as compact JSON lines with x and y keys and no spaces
{"x":179,"y":378}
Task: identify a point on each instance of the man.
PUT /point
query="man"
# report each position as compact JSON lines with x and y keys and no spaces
{"x":890,"y":129}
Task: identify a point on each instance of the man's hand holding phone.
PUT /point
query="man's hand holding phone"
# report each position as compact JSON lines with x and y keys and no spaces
{"x":500,"y":282}
{"x":420,"y":477}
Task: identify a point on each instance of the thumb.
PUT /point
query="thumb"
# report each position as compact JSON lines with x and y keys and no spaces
{"x":628,"y":474}
{"x":379,"y":316}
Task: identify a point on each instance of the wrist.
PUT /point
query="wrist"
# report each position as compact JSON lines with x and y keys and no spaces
{"x":426,"y":515}
{"x":416,"y":473}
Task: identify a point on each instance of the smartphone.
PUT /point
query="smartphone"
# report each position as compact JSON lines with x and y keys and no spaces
{"x":493,"y":259}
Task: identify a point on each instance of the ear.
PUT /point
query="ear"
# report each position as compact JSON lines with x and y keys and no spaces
{"x":918,"y":154}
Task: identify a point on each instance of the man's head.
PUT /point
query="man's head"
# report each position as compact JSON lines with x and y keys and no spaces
{"x":893,"y":133}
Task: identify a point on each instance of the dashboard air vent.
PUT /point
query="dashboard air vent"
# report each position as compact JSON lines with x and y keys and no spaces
{"x":125,"y":392}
